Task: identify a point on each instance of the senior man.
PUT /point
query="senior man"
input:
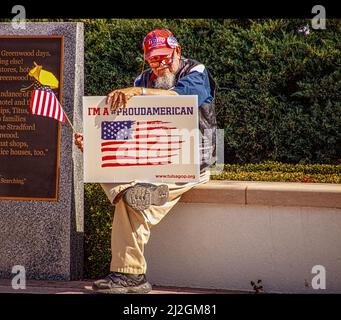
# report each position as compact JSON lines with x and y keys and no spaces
{"x":169,"y":74}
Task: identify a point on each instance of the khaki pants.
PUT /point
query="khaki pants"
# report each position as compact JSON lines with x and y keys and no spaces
{"x":131,"y":228}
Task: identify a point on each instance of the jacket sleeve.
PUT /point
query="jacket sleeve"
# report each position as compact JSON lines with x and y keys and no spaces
{"x":196,"y":82}
{"x":138,"y":81}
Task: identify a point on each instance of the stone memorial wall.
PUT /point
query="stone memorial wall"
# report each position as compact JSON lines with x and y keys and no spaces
{"x":41,"y":174}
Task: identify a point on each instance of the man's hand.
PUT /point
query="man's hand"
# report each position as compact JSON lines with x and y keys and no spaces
{"x":119,"y":97}
{"x":79,"y":141}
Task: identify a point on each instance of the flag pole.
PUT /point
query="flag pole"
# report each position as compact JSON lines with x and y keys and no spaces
{"x":67,"y":118}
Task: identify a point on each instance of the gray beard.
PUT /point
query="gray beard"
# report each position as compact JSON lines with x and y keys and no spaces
{"x":165,"y":82}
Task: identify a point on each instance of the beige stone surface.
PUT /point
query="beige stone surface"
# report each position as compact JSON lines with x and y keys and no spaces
{"x":226,"y":246}
{"x":294,"y":194}
{"x":266,"y":193}
{"x":216,"y":192}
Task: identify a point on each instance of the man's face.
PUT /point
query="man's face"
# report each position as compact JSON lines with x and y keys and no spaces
{"x":165,"y":64}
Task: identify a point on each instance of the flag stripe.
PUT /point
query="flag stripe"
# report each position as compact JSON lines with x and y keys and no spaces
{"x":147,"y":136}
{"x":33,"y":101}
{"x":58,"y":113}
{"x":135,"y":164}
{"x":154,"y":128}
{"x":40,"y":101}
{"x":47,"y":105}
{"x":55,"y":110}
{"x":138,"y":149}
{"x":62,"y":117}
{"x":52,"y":107}
{"x":134,"y":158}
{"x":151,"y":122}
{"x":125,"y":142}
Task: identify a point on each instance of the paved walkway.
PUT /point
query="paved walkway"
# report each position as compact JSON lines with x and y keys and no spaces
{"x":84,"y":287}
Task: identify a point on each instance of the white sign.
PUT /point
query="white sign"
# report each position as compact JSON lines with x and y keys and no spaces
{"x":153,"y":139}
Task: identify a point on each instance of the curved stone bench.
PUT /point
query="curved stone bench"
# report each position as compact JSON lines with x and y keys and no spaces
{"x":225,"y":234}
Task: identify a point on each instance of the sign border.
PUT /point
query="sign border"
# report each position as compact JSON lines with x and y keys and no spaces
{"x":113,"y":180}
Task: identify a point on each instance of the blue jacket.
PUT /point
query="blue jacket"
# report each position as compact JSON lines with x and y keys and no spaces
{"x":192,"y":78}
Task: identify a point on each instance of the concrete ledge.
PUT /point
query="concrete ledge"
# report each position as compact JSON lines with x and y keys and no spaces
{"x":217,"y":192}
{"x":266,"y":193}
{"x":225,"y":234}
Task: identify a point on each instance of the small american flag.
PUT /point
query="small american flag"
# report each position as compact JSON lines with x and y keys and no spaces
{"x":45,"y":103}
{"x":138,"y":143}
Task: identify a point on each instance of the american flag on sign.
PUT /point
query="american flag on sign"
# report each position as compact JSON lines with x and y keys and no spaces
{"x":138,"y":143}
{"x":45,"y":103}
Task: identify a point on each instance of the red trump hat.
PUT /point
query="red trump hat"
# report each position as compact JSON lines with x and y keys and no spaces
{"x":159,"y":42}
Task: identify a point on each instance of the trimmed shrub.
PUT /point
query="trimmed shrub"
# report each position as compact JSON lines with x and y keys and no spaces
{"x":282,"y":172}
{"x":97,"y":231}
{"x":278,"y":94}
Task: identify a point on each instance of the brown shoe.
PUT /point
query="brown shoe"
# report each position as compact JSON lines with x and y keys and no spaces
{"x":117,"y":282}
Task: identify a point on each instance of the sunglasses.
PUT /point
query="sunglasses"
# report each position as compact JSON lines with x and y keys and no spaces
{"x":157,"y":61}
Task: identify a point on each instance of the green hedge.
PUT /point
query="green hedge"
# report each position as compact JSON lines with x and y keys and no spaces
{"x":283,"y":172}
{"x":278,"y":92}
{"x":97,"y":231}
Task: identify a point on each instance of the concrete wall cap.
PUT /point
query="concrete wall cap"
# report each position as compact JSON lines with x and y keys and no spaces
{"x":266,"y":193}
